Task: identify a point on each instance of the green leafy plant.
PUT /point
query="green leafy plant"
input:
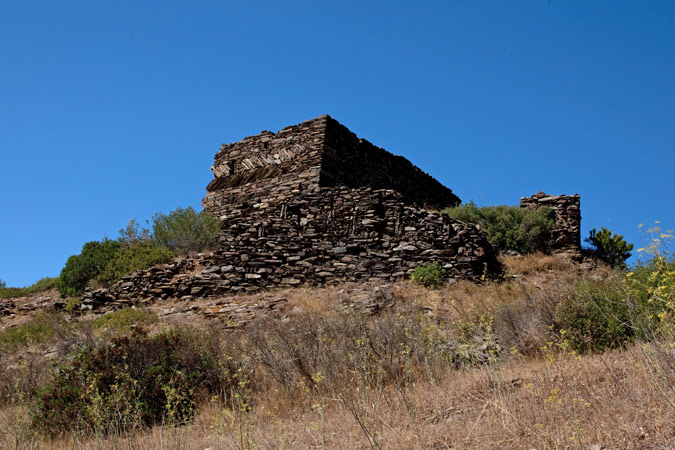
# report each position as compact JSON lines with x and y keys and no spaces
{"x":133,"y":233}
{"x":41,"y":285}
{"x":510,"y":227}
{"x":609,"y":247}
{"x":140,"y":256}
{"x":651,"y":286}
{"x":130,"y":381}
{"x":39,"y":329}
{"x":596,"y":315}
{"x":89,"y":264}
{"x":123,"y":319}
{"x":432,"y":275}
{"x":184,"y":230}
{"x":73,"y":305}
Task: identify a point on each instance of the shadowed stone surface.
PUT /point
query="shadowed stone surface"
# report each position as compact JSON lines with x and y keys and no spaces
{"x":314,"y":204}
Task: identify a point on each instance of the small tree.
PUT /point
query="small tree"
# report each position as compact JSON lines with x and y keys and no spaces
{"x":86,"y":266}
{"x":133,"y":234}
{"x":611,"y":248}
{"x":185,"y":230}
{"x":2,"y":284}
{"x":510,"y":227}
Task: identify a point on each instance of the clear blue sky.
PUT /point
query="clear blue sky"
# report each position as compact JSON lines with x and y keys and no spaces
{"x":114,"y":110}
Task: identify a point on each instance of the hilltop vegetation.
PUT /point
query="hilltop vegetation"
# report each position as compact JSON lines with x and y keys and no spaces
{"x":137,"y":248}
{"x":43,"y":284}
{"x":103,"y":262}
{"x":530,"y":359}
{"x":524,"y":230}
{"x":536,"y":359}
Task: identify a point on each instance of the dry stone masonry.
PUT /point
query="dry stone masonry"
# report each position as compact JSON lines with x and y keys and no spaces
{"x":567,"y":220}
{"x":302,"y":159}
{"x":314,"y":204}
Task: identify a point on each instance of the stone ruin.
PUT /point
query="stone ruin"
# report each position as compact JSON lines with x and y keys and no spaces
{"x":314,"y":204}
{"x":566,"y":237}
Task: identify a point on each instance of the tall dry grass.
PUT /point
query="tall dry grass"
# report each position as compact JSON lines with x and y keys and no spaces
{"x":611,"y":400}
{"x":465,"y":366}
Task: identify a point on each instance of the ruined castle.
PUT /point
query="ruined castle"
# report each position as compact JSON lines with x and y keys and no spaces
{"x":315,"y":204}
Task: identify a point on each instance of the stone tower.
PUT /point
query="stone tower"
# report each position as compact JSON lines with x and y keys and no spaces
{"x":318,"y":153}
{"x":313,"y":203}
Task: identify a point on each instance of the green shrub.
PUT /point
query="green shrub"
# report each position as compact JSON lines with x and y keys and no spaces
{"x":123,"y":319}
{"x":37,"y":330}
{"x":431,"y":276}
{"x":596,"y":315}
{"x":611,"y":248}
{"x":130,"y":259}
{"x":73,"y":305}
{"x":133,"y":234}
{"x":132,"y":381}
{"x":651,"y":285}
{"x":89,"y":264}
{"x":525,"y":230}
{"x":184,"y":230}
{"x":41,"y":285}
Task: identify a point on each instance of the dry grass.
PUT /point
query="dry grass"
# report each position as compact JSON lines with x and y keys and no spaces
{"x":311,"y":389}
{"x":612,"y":400}
{"x":535,"y":262}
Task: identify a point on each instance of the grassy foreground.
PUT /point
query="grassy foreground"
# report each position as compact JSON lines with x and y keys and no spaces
{"x":549,"y":358}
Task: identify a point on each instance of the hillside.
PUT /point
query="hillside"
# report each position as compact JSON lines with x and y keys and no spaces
{"x":497,"y":364}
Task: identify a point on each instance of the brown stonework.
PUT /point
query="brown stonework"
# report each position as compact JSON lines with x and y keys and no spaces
{"x":314,"y":204}
{"x":304,"y":158}
{"x":567,"y":220}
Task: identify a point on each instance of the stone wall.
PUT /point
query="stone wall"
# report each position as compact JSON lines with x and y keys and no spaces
{"x":567,"y":220}
{"x":330,"y":236}
{"x":343,"y":234}
{"x":314,"y":204}
{"x":353,"y":162}
{"x":267,"y":166}
{"x":303,"y":158}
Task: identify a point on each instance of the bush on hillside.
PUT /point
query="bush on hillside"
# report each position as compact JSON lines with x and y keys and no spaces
{"x":651,"y":285}
{"x":596,"y":315}
{"x":524,"y":230}
{"x":34,"y":331}
{"x":130,"y":259}
{"x":132,"y":381}
{"x":611,"y":248}
{"x":43,"y":284}
{"x":133,"y":234}
{"x":89,"y":264}
{"x":185,"y":230}
{"x":431,"y":276}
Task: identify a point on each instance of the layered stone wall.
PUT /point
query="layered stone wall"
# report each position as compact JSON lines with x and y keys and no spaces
{"x":567,"y":220}
{"x":330,"y":236}
{"x":343,"y":234}
{"x":267,"y":166}
{"x":303,"y":158}
{"x":314,"y":204}
{"x":353,"y":162}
